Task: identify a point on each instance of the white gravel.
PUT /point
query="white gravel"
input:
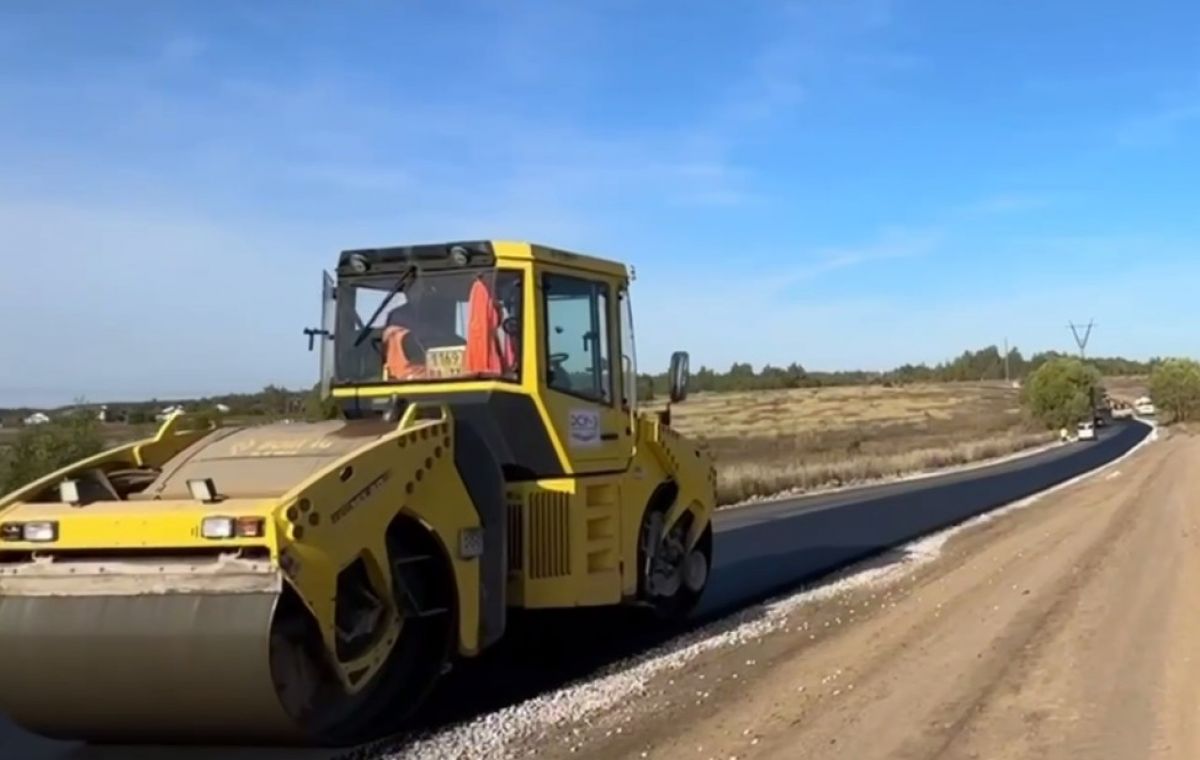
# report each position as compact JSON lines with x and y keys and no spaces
{"x":559,"y":712}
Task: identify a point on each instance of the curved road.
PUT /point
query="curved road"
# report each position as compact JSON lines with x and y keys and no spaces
{"x":1066,"y":630}
{"x":760,"y":550}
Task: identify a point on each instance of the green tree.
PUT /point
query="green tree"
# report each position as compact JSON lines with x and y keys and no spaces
{"x":5,"y":469}
{"x":42,"y":449}
{"x":1061,"y":392}
{"x":316,"y":408}
{"x":796,"y":376}
{"x":139,"y":417}
{"x":645,"y":387}
{"x":1175,"y":389}
{"x":274,"y":400}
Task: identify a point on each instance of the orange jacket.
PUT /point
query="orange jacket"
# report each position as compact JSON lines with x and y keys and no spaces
{"x":396,"y":365}
{"x":485,"y":354}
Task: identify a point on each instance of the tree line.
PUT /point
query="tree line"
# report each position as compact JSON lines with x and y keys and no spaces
{"x":984,"y":364}
{"x":1064,"y":391}
{"x":1058,"y":391}
{"x":277,"y":402}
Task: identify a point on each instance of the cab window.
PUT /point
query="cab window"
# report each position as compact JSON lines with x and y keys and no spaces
{"x":577,"y":337}
{"x":425,"y":332}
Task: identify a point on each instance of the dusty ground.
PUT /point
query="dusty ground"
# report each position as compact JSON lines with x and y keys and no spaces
{"x":1065,"y":629}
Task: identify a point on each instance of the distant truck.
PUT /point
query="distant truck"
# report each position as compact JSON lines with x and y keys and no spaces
{"x":1122,"y":412}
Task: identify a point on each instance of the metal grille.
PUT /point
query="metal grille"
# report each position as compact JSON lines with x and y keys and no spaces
{"x":516,"y":536}
{"x":549,"y":535}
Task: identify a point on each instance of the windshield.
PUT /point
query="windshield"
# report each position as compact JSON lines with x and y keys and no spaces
{"x":437,"y":326}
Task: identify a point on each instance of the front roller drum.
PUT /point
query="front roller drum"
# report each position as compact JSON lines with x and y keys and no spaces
{"x":136,"y":658}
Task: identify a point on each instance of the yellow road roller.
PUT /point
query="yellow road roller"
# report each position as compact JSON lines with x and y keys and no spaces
{"x":308,"y":582}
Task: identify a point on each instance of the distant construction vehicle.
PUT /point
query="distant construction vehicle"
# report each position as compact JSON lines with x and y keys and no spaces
{"x":1144,"y":406}
{"x":308,"y":583}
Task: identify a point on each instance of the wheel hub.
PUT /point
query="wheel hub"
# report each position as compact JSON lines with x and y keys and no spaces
{"x":666,"y":561}
{"x":695,"y":571}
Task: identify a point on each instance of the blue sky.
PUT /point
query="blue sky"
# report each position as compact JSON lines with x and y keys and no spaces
{"x":843,"y":183}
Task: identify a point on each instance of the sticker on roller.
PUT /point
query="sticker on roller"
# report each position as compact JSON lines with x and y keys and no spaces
{"x":584,"y":428}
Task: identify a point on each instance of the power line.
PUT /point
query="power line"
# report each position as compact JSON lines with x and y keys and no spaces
{"x":1082,"y":340}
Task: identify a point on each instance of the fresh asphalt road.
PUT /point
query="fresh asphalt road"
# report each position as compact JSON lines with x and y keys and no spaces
{"x":1067,"y":630}
{"x":770,"y":546}
{"x":759,"y":550}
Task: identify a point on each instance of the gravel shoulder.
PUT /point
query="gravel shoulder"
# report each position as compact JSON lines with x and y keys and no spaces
{"x":1064,"y":629}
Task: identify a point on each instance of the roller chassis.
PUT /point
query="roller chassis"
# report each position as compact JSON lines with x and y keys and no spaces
{"x":386,"y":546}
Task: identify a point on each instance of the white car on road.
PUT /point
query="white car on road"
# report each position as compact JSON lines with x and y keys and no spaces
{"x":1086,"y":431}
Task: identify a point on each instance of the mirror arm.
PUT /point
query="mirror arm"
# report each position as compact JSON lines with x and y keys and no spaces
{"x":312,"y":334}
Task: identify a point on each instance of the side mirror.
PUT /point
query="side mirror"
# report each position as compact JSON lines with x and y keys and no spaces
{"x":677,"y":377}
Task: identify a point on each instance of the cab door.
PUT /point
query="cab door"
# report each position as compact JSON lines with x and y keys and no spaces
{"x":324,"y":334}
{"x":580,"y":364}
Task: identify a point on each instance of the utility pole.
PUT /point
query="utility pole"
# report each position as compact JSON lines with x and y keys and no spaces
{"x":1082,"y":340}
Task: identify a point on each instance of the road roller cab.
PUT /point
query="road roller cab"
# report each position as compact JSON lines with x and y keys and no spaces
{"x":488,"y":455}
{"x":552,"y":404}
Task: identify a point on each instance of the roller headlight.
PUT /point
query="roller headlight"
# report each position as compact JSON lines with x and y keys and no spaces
{"x":221,"y":527}
{"x":41,"y":532}
{"x":216,"y":527}
{"x":37,"y":532}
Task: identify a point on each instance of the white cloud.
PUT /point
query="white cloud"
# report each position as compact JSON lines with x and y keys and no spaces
{"x":161,"y":301}
{"x":734,"y":317}
{"x":892,"y":243}
{"x":724,"y":315}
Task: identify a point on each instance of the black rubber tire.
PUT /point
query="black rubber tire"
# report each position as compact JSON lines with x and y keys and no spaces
{"x":419,"y":657}
{"x":675,"y":608}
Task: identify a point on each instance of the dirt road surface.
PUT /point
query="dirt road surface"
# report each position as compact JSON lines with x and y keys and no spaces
{"x":1066,"y":629}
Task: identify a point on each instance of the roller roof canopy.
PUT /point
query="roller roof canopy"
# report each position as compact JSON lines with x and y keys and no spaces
{"x":479,"y":252}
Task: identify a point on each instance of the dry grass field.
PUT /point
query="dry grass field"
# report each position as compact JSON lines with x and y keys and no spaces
{"x":790,"y":441}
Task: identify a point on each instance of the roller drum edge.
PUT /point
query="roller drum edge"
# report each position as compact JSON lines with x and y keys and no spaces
{"x":104,"y":666}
